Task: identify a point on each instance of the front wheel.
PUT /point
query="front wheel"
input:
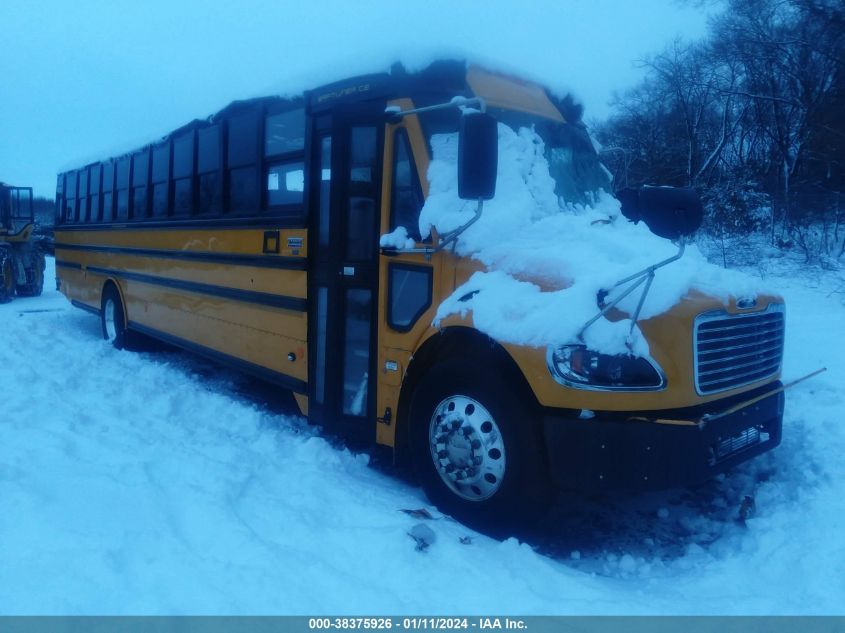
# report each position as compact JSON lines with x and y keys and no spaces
{"x":476,"y":447}
{"x":112,"y":318}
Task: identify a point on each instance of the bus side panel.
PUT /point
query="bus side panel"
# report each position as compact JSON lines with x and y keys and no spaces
{"x":271,"y":337}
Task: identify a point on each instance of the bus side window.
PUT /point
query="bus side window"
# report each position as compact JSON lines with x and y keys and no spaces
{"x":108,"y":191}
{"x":284,"y":172}
{"x":406,"y":197}
{"x":242,"y":155}
{"x":60,"y":199}
{"x":70,"y":198}
{"x":82,"y":202}
{"x":140,"y":174}
{"x":183,"y":175}
{"x":161,"y":175}
{"x":208,"y":168}
{"x":94,"y":193}
{"x":122,"y":211}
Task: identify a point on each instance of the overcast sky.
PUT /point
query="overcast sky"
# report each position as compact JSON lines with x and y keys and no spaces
{"x":81,"y":80}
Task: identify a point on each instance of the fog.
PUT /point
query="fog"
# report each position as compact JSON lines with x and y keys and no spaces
{"x":84,"y":80}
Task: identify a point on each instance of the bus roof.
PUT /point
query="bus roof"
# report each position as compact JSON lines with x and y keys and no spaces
{"x":441,"y":80}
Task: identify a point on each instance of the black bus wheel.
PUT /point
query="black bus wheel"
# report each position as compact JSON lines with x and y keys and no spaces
{"x":476,"y":447}
{"x":112,"y":319}
{"x":7,"y":277}
{"x":34,"y":278}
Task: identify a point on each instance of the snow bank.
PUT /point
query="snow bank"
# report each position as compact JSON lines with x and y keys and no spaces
{"x":148,"y":484}
{"x":547,"y":258}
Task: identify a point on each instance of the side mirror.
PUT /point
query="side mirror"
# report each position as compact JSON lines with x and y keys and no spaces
{"x":669,"y":212}
{"x":478,"y":156}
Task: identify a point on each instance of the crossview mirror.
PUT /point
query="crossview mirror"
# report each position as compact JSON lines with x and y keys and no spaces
{"x":669,"y":212}
{"x":478,"y":156}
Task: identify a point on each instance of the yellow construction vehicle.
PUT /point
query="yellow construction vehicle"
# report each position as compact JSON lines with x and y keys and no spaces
{"x":21,"y":259}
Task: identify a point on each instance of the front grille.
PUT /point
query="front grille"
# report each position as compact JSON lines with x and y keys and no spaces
{"x":732,"y":350}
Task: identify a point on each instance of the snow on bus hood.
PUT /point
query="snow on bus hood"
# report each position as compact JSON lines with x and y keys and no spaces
{"x":546,"y":259}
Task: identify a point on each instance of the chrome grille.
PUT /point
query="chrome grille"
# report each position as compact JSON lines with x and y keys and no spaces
{"x":732,"y":350}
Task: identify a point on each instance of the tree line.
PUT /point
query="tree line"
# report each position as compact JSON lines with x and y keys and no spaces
{"x":753,"y":117}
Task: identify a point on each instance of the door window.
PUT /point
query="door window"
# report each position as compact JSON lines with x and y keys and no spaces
{"x":356,"y":356}
{"x":361,"y":203}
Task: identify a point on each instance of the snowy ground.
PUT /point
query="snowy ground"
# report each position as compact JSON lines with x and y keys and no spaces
{"x":154,"y":483}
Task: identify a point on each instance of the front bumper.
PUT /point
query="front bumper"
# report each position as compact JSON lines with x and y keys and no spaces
{"x":613,"y":452}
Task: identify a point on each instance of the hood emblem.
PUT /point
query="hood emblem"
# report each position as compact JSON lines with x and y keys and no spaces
{"x":746,"y":303}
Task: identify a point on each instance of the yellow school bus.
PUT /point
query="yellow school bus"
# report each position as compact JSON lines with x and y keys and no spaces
{"x":252,"y":237}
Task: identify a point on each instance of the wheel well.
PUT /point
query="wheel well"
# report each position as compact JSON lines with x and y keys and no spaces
{"x":450,"y":343}
{"x":112,"y":282}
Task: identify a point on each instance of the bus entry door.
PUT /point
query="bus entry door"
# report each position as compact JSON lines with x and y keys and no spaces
{"x":343,"y":287}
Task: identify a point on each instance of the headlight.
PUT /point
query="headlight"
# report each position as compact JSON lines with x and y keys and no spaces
{"x":576,"y":366}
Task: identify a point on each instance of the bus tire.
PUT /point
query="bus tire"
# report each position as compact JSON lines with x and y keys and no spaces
{"x":34,"y":278}
{"x":112,"y":318}
{"x":7,"y":276}
{"x":476,"y":447}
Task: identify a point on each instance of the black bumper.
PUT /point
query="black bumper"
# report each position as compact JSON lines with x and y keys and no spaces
{"x":612,"y":452}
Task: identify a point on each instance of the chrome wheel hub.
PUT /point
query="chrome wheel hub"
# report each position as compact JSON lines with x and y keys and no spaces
{"x":467,"y":448}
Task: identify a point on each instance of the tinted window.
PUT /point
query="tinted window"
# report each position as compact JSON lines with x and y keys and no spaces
{"x":107,"y":206}
{"x":139,"y":202}
{"x":140,"y":168}
{"x":160,"y":200}
{"x":325,"y":189}
{"x":209,"y":149}
{"x":94,"y":179}
{"x":363,"y":155}
{"x":161,"y":163}
{"x":409,"y":294}
{"x":123,"y":173}
{"x":209,"y":194}
{"x":95,"y":213}
{"x":243,"y":139}
{"x":108,"y":187}
{"x":83,"y":183}
{"x":361,"y":218}
{"x":182,"y":197}
{"x":285,"y":183}
{"x":360,"y":228}
{"x":122,"y":212}
{"x":356,"y":353}
{"x":406,"y":201}
{"x":70,"y":190}
{"x":243,"y":190}
{"x":183,"y":156}
{"x":284,"y":132}
{"x":108,"y":176}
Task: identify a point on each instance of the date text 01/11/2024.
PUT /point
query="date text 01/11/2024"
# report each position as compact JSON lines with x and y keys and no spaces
{"x":414,"y":623}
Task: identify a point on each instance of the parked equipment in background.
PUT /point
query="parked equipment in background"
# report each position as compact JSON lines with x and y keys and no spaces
{"x":21,"y":259}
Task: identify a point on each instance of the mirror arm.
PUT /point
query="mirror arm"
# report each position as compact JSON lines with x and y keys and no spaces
{"x":452,"y":236}
{"x":446,"y":240}
{"x":644,"y":276}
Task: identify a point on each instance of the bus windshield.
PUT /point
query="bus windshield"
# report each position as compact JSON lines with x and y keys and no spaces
{"x":573,"y":162}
